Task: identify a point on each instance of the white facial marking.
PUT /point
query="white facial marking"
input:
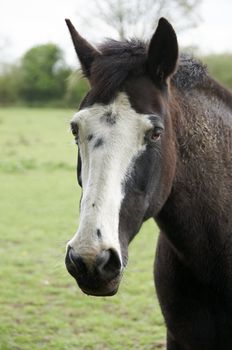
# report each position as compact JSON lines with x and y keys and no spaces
{"x":104,"y":167}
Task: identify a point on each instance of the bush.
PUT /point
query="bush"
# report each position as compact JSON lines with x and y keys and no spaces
{"x":10,"y":82}
{"x":36,"y":84}
{"x":44,"y":74}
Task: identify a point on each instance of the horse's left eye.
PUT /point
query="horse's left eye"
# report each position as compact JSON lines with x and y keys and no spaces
{"x":155,"y":134}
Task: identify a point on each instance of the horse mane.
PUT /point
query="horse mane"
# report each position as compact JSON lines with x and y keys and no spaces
{"x":122,"y":59}
{"x":190,"y":72}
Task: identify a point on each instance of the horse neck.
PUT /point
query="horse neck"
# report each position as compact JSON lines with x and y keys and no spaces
{"x":200,"y":199}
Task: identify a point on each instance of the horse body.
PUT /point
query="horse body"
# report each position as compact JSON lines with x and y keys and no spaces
{"x":157,"y":143}
{"x":193,"y":269}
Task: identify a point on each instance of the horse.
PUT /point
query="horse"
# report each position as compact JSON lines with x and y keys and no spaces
{"x":154,"y":136}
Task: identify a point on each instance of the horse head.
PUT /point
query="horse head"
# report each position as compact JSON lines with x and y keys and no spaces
{"x":125,"y":143}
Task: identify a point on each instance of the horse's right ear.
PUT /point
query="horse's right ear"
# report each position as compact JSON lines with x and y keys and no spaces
{"x":85,"y":52}
{"x":162,"y":53}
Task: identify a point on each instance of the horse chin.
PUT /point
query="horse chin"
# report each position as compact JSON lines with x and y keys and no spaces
{"x":100,"y":293}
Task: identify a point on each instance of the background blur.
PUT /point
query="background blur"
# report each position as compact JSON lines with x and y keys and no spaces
{"x":37,"y":60}
{"x":40,"y":88}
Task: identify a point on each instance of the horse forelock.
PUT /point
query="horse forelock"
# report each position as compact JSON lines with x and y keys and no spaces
{"x":118,"y":61}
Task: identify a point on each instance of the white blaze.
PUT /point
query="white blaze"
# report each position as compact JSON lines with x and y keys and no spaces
{"x":104,"y":168}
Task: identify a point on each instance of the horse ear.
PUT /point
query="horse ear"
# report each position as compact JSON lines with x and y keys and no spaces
{"x":85,"y":52}
{"x":162,"y":52}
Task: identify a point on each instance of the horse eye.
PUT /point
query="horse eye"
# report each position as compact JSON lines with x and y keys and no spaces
{"x":155,"y":134}
{"x":74,"y":129}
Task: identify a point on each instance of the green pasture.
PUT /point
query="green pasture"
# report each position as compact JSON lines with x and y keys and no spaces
{"x":40,"y":304}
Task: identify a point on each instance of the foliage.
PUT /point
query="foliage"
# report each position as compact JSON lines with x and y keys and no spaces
{"x":10,"y":81}
{"x":44,"y":74}
{"x":220,"y":66}
{"x":41,"y":306}
{"x":41,"y":78}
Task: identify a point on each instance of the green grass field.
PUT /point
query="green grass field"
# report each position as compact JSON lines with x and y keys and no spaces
{"x":40,"y":304}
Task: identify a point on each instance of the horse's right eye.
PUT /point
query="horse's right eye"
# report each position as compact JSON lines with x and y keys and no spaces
{"x":74,"y":129}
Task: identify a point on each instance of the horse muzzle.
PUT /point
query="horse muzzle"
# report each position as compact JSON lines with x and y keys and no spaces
{"x":100,"y":276}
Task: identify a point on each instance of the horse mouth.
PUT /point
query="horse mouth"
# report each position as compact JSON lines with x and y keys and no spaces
{"x":100,"y":288}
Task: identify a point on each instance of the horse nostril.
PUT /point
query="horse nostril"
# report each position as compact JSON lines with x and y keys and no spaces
{"x":74,"y":260}
{"x":106,"y":267}
{"x":108,"y":264}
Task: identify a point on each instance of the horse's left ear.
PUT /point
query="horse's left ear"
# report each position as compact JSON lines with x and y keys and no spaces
{"x":85,"y":52}
{"x":162,"y":53}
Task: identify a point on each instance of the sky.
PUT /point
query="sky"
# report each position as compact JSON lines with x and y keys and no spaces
{"x":25,"y":23}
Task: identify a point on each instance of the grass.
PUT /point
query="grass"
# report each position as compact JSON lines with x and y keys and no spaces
{"x":40,"y":304}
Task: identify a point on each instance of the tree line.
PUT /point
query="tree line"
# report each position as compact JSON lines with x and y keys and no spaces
{"x":42,"y":78}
